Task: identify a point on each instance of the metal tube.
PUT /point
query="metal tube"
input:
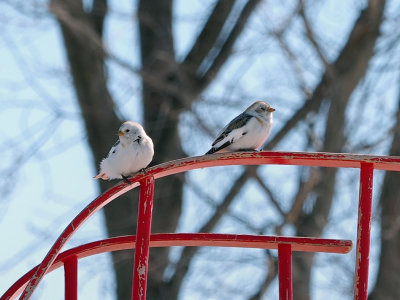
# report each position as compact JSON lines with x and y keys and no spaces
{"x":143,"y":231}
{"x":71,"y":278}
{"x":285,"y":272}
{"x":363,"y":231}
{"x":337,"y":160}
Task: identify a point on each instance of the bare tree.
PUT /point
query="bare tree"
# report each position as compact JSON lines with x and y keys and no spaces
{"x":174,"y":88}
{"x":168,"y":89}
{"x":348,"y":70}
{"x":386,"y":286}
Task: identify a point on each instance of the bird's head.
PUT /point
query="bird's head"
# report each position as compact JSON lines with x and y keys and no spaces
{"x":261,"y":108}
{"x":131,"y":132}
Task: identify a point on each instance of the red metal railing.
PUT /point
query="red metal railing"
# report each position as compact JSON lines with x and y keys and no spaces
{"x":143,"y":240}
{"x":69,"y":258}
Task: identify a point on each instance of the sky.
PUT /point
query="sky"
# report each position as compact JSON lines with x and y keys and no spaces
{"x":53,"y":186}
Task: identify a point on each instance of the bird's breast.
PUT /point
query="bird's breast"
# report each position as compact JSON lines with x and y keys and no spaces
{"x":260,"y":121}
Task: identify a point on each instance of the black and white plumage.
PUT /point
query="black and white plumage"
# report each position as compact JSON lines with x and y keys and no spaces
{"x":132,"y":152}
{"x":248,"y":131}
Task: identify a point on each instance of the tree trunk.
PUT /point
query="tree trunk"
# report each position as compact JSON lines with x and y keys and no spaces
{"x":168,"y":90}
{"x":86,"y":62}
{"x":388,"y":280}
{"x":161,"y":115}
{"x":349,"y":68}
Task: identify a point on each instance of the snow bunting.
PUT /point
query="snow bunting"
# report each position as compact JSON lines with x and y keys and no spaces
{"x":132,"y":152}
{"x":248,"y":131}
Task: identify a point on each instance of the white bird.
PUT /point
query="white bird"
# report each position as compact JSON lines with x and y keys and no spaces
{"x":248,"y":131}
{"x":132,"y":152}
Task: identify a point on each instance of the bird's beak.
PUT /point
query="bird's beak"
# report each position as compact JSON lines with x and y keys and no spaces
{"x":271,"y":109}
{"x":120,"y":133}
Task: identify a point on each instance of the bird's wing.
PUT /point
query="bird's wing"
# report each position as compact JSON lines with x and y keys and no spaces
{"x":237,"y":123}
{"x":113,"y":149}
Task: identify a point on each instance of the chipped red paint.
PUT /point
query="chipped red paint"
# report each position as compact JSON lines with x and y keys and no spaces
{"x":71,"y":278}
{"x":338,"y":160}
{"x":285,"y":271}
{"x":363,"y":232}
{"x":143,"y":232}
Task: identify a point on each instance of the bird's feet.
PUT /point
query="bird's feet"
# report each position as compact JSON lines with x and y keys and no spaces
{"x":125,"y":178}
{"x":142,"y":171}
{"x":247,"y":150}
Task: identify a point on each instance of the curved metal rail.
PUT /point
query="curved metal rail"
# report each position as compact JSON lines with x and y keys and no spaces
{"x":186,"y":239}
{"x":365,"y":163}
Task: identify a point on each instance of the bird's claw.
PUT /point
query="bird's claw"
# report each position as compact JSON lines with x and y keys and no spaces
{"x":125,"y":178}
{"x":247,"y":150}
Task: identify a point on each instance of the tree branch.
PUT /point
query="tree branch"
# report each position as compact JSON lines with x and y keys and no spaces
{"x":323,"y":89}
{"x":311,"y":37}
{"x":226,"y":48}
{"x":304,"y":189}
{"x":351,"y":66}
{"x":269,"y":193}
{"x":272,"y":265}
{"x":182,"y":266}
{"x":207,"y":37}
{"x":294,"y":63}
{"x":98,"y":13}
{"x":387,"y":282}
{"x":79,"y":24}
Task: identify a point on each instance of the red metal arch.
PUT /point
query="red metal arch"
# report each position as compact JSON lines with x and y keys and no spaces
{"x":365,"y":163}
{"x":69,"y":257}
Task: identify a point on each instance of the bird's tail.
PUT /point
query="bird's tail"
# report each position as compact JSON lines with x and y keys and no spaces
{"x":101,"y":176}
{"x":211,"y":151}
{"x":222,"y":147}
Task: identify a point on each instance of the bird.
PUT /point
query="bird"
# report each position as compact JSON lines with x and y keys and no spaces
{"x":248,"y":131}
{"x":133,"y":151}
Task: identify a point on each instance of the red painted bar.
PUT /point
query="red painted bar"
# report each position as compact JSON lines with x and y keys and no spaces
{"x":143,"y":232}
{"x":285,"y":272}
{"x":188,"y":239}
{"x":318,"y":159}
{"x":85,"y":214}
{"x":321,"y":159}
{"x":71,"y":278}
{"x":363,"y":232}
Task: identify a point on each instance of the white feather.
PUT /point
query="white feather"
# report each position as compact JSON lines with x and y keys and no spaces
{"x":128,"y":156}
{"x":248,"y":131}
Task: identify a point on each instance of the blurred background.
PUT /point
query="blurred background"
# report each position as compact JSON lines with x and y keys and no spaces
{"x":71,"y":71}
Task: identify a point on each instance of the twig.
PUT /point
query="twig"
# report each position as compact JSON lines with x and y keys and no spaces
{"x":311,"y":37}
{"x":269,"y":193}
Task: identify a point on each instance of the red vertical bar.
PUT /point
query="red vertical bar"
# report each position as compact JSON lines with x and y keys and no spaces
{"x":285,"y":272}
{"x":363,"y":231}
{"x":71,"y":278}
{"x":143,"y":231}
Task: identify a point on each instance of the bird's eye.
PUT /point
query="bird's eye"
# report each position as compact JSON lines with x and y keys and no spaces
{"x":263,"y":108}
{"x":127,"y":130}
